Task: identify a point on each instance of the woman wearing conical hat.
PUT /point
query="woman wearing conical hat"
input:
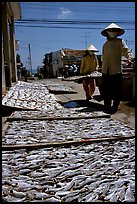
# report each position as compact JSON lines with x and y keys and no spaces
{"x":89,"y":64}
{"x":113,"y":50}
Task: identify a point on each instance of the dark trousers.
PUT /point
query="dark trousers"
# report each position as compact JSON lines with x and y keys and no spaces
{"x":112,"y":85}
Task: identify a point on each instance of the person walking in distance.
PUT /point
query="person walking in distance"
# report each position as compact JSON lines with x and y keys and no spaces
{"x":89,"y":64}
{"x":113,"y":50}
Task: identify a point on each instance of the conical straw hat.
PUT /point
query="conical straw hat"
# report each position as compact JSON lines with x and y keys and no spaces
{"x":92,"y":48}
{"x":113,"y":27}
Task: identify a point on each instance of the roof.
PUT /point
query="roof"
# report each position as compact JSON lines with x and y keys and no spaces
{"x":15,"y":9}
{"x":73,"y":52}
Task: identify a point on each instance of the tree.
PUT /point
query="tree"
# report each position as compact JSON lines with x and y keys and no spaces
{"x":47,"y":61}
{"x":18,"y":60}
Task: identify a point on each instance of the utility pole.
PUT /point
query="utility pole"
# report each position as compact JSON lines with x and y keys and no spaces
{"x":86,"y":39}
{"x":30,"y":62}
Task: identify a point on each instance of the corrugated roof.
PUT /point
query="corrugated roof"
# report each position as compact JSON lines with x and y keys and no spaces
{"x":73,"y":52}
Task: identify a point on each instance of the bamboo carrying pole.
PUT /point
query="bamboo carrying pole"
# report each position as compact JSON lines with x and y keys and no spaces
{"x":66,"y":143}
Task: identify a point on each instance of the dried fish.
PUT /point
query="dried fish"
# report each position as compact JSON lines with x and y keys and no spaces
{"x":72,"y":194}
{"x":26,"y":96}
{"x":36,"y":174}
{"x":121,"y":193}
{"x":41,"y":195}
{"x":111,"y":197}
{"x":87,"y":181}
{"x":17,"y":194}
{"x":62,"y":193}
{"x":5,"y":190}
{"x":24,"y":171}
{"x":52,"y":199}
{"x":120,"y":182}
{"x":90,"y":197}
{"x":24,"y":185}
{"x":58,"y":131}
{"x":23,"y":177}
{"x":84,"y":173}
{"x":10,"y":198}
{"x":129,"y":197}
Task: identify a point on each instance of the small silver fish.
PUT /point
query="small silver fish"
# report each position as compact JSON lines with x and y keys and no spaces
{"x":10,"y":198}
{"x":52,"y":199}
{"x":41,"y":195}
{"x":129,"y":197}
{"x":17,"y":194}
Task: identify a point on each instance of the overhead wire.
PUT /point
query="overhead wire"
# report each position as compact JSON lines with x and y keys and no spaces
{"x":39,"y":22}
{"x":43,"y":7}
{"x":38,"y":26}
{"x":86,"y":8}
{"x":71,"y":21}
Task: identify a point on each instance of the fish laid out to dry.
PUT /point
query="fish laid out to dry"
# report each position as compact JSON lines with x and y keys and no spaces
{"x":99,"y":172}
{"x":30,"y":95}
{"x":42,"y":131}
{"x":59,"y":88}
{"x":61,"y":112}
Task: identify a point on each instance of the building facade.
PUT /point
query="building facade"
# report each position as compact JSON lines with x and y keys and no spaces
{"x":11,"y":11}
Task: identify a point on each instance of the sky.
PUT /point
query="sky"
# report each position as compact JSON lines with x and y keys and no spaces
{"x":50,"y":26}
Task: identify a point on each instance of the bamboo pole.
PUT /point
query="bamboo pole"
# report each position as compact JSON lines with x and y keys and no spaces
{"x":66,"y":143}
{"x":10,"y":119}
{"x":62,"y":92}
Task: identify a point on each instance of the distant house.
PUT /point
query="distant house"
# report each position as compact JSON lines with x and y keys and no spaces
{"x":73,"y":56}
{"x":11,"y":11}
{"x":64,"y":57}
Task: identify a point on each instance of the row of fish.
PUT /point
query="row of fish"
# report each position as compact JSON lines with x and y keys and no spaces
{"x":35,"y":131}
{"x":62,"y":112}
{"x":99,"y":172}
{"x":30,"y":95}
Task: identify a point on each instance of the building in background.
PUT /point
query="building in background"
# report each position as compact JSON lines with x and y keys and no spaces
{"x":64,"y":62}
{"x":11,"y":11}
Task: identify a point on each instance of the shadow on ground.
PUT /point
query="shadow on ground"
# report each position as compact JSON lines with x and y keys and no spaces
{"x":8,"y":110}
{"x":89,"y":106}
{"x":130,"y":104}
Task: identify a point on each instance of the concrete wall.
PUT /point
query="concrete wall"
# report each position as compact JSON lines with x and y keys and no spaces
{"x":57,"y":62}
